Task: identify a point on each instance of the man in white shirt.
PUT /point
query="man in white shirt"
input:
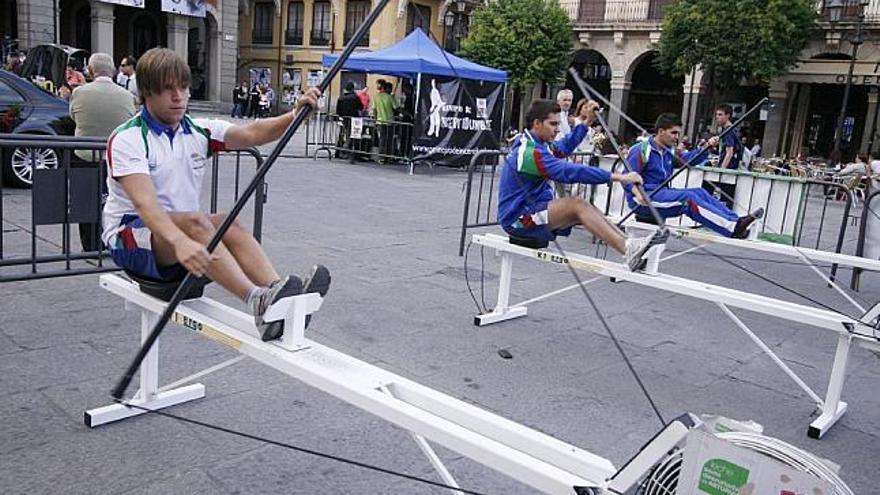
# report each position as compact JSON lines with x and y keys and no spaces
{"x":127,"y":77}
{"x":156,"y":162}
{"x":564,"y":98}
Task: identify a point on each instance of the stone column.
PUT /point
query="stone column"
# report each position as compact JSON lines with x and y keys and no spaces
{"x":692,"y":92}
{"x":178,"y":34}
{"x":102,"y":27}
{"x":619,"y":97}
{"x":799,"y":127}
{"x":775,"y":125}
{"x":871,"y":119}
{"x":213,"y":39}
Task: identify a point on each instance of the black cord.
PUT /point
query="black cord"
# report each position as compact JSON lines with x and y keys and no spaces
{"x":804,"y":261}
{"x":467,"y":280}
{"x":611,"y":334}
{"x":769,"y":280}
{"x":530,"y":199}
{"x":303,"y":450}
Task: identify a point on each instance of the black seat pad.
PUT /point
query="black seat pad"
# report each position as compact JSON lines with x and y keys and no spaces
{"x":528,"y":242}
{"x":649,"y":219}
{"x":164,"y":289}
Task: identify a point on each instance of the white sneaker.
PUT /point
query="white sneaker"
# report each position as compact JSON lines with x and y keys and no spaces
{"x":636,"y":248}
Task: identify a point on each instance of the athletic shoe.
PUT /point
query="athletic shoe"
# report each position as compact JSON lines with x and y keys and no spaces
{"x":638,"y":246}
{"x":287,"y":287}
{"x":317,"y":281}
{"x":741,"y":231}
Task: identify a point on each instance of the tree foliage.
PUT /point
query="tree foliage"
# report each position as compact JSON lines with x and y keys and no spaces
{"x":735,"y":40}
{"x":530,"y":39}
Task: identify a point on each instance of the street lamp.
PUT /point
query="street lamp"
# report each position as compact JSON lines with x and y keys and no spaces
{"x":834,"y":8}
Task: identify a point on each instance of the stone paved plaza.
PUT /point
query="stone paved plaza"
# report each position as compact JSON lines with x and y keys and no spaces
{"x":399,"y":301}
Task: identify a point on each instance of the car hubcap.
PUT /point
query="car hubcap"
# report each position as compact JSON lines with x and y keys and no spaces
{"x":24,"y":158}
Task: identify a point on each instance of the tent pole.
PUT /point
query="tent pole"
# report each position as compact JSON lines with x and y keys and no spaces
{"x":416,"y":115}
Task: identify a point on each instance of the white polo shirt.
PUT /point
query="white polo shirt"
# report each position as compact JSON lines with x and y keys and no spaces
{"x":175,"y":160}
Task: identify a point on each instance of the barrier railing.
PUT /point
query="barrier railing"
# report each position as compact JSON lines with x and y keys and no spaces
{"x":800,"y":212}
{"x":870,"y":221}
{"x":36,"y":223}
{"x":383,"y":142}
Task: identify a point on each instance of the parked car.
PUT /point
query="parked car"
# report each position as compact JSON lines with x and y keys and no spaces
{"x":27,"y":109}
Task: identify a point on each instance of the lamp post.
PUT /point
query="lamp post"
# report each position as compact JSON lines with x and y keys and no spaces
{"x":456,"y":24}
{"x":834,"y":8}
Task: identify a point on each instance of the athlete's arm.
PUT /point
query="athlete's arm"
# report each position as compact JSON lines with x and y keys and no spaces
{"x":191,"y":254}
{"x":267,"y":130}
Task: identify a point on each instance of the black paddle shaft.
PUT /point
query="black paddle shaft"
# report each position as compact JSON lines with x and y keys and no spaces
{"x":188,"y":280}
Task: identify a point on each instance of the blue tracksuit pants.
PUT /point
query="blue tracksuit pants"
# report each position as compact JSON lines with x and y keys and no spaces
{"x":697,"y":204}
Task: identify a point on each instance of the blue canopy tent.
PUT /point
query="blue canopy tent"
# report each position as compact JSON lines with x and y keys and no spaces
{"x":471,"y":101}
{"x":413,"y":55}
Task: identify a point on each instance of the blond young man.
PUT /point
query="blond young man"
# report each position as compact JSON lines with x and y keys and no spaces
{"x":156,"y":162}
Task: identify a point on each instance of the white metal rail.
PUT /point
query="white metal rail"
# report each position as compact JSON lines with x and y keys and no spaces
{"x":533,"y":458}
{"x":849,"y":330}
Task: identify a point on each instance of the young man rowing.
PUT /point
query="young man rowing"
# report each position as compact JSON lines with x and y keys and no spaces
{"x":526,"y":207}
{"x":653,"y":158}
{"x":156,"y":162}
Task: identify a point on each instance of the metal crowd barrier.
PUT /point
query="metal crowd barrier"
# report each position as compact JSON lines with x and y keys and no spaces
{"x":870,"y":219}
{"x":380,"y":142}
{"x":814,"y":213}
{"x":73,"y":193}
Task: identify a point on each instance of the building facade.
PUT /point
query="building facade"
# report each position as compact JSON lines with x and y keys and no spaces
{"x":616,"y":43}
{"x":209,"y":44}
{"x":286,"y":39}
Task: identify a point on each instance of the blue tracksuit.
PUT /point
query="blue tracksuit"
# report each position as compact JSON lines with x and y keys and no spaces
{"x":524,"y":192}
{"x":655,"y":165}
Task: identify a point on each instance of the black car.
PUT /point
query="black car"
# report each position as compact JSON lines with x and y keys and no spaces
{"x":27,"y":109}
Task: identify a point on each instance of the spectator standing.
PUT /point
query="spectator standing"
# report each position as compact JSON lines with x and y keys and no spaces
{"x":97,"y":108}
{"x":730,"y":148}
{"x":364,"y":95}
{"x":347,"y":106}
{"x":239,"y":100}
{"x":254,"y":106}
{"x":74,"y":77}
{"x":127,"y":77}
{"x":384,"y":106}
{"x":564,"y":99}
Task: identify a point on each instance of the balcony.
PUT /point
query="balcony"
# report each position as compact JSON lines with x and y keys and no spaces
{"x":850,"y":11}
{"x":622,"y":11}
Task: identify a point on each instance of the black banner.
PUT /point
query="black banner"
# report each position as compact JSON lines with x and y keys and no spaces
{"x":453,"y":124}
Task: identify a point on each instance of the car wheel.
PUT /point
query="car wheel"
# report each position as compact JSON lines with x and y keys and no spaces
{"x":20,"y":166}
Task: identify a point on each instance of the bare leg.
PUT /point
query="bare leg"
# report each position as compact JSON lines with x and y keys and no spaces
{"x":247,"y":252}
{"x":566,"y":212}
{"x":225,"y":270}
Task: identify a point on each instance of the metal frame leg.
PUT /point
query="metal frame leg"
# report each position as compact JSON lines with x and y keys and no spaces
{"x":769,"y":352}
{"x":432,"y":456}
{"x":148,"y":396}
{"x":834,"y":408}
{"x":502,"y":311}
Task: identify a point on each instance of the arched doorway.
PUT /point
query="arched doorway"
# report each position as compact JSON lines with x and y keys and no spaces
{"x":75,"y":28}
{"x":825,"y":101}
{"x":594,"y":69}
{"x":651,"y":93}
{"x":137,"y":30}
{"x":202,"y":51}
{"x":8,"y":25}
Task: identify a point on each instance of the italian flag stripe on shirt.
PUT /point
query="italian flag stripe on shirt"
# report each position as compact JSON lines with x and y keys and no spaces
{"x":529,"y":160}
